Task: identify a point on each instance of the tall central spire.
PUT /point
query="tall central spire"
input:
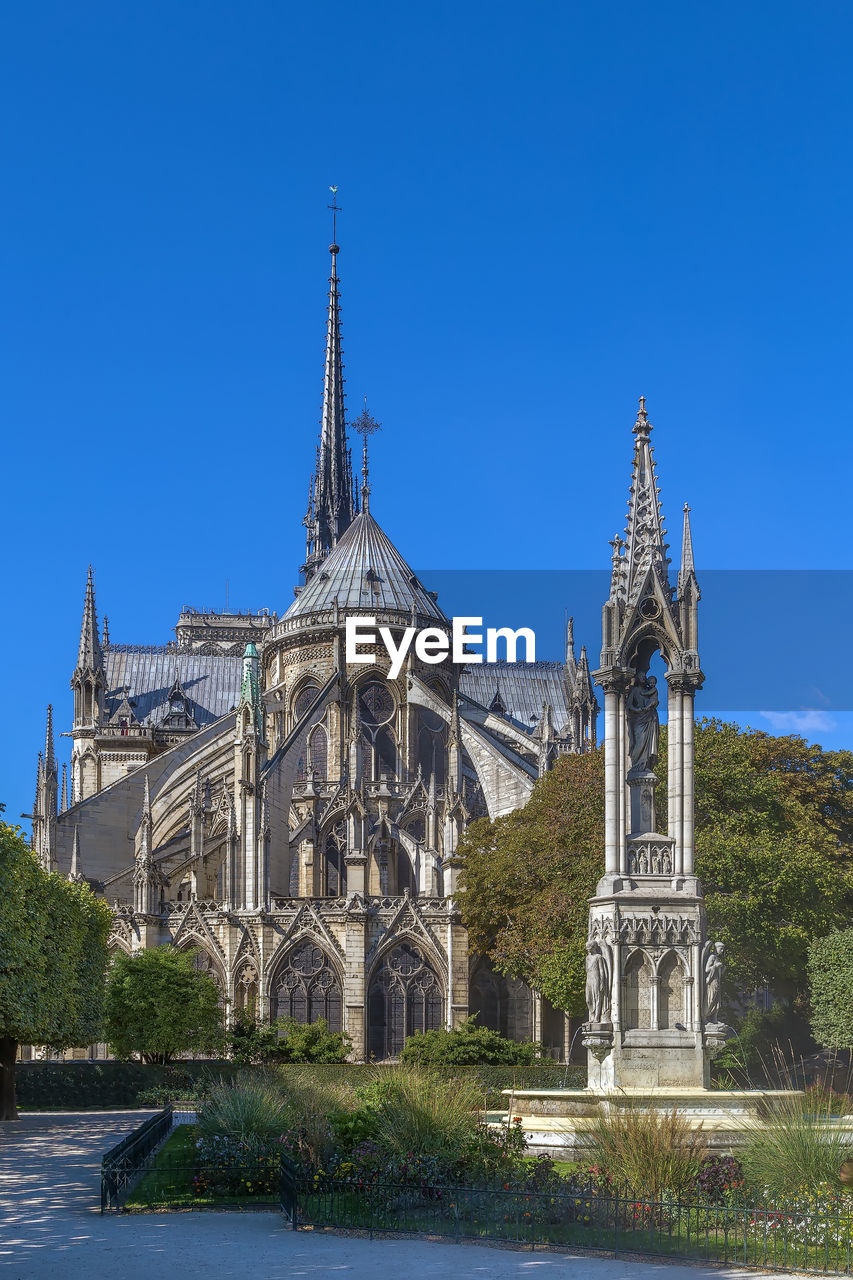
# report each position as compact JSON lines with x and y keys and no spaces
{"x":331,"y":503}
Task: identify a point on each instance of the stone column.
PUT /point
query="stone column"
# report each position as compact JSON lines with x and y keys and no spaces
{"x":675,"y":772}
{"x":687,"y":805}
{"x":611,"y":780}
{"x":355,"y":992}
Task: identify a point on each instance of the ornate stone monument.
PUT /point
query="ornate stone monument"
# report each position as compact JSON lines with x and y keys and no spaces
{"x":653,"y":979}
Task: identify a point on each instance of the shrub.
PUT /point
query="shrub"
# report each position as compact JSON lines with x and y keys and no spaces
{"x":252,"y":1108}
{"x":796,"y":1146}
{"x":312,"y":1042}
{"x":468,"y":1045}
{"x":831,"y":981}
{"x":654,"y":1151}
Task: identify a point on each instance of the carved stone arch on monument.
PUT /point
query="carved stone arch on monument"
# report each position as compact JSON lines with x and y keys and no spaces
{"x":306,"y":983}
{"x":405,"y":994}
{"x":673,"y":986}
{"x":638,"y":976}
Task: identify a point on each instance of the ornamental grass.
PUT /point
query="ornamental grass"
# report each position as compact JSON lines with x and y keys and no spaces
{"x":427,"y":1112}
{"x":798,"y":1145}
{"x":654,"y":1150}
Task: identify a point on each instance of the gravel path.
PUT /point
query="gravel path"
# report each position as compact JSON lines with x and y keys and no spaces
{"x":51,"y":1227}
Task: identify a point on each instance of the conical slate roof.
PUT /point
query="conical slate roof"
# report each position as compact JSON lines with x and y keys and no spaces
{"x":364,"y":572}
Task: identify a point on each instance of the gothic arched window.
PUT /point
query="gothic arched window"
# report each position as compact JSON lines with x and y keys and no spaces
{"x":307,"y":988}
{"x":318,"y":753}
{"x":301,"y":704}
{"x":336,"y":867}
{"x":432,"y":744}
{"x":500,"y":1003}
{"x":405,"y":997}
{"x":246,"y":990}
{"x":376,"y":709}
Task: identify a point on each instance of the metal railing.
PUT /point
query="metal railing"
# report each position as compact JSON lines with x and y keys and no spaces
{"x":123,"y":1163}
{"x":788,"y":1236}
{"x":806,"y":1233}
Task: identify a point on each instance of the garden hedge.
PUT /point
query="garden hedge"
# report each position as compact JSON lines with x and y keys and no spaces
{"x":79,"y":1086}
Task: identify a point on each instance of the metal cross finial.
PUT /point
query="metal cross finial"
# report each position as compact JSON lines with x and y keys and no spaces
{"x":336,"y":209}
{"x":365,"y":426}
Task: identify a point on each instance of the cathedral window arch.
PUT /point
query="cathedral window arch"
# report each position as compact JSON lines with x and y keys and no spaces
{"x":500,"y":1003}
{"x":246,"y":988}
{"x":318,"y":753}
{"x":405,"y":996}
{"x":432,"y":744}
{"x":301,"y":703}
{"x":335,"y":867}
{"x":306,"y":987}
{"x":377,"y":710}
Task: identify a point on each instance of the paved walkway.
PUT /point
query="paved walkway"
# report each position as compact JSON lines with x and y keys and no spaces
{"x":50,"y":1227}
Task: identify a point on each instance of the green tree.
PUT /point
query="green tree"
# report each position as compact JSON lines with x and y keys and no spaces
{"x":53,"y":958}
{"x":774,"y":839}
{"x":525,"y":880}
{"x":159,"y":1005}
{"x":831,"y":980}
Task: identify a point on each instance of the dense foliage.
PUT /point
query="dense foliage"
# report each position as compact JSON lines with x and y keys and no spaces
{"x":467,"y":1045}
{"x":774,"y":837}
{"x":159,"y":1005}
{"x":251,"y":1041}
{"x":53,"y":944}
{"x":831,"y":979}
{"x":525,"y":880}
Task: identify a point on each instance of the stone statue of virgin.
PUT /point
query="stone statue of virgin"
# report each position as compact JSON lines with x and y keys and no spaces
{"x":641,"y":707}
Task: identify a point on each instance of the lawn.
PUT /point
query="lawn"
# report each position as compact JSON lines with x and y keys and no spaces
{"x":174,"y":1180}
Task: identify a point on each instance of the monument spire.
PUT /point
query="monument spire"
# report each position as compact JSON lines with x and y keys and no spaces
{"x":644,"y":546}
{"x":332,"y":507}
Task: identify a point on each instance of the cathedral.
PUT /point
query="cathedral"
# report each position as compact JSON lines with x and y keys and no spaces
{"x":245,"y":792}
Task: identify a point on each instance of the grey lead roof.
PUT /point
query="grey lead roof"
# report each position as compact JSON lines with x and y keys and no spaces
{"x":523,"y":687}
{"x":210,"y":681}
{"x":365,"y":571}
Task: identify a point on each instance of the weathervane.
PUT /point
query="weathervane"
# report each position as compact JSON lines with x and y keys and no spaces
{"x":365,"y":426}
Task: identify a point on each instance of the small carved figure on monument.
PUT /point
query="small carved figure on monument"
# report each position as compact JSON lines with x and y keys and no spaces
{"x":643,"y":725}
{"x":713,"y":980}
{"x":597,"y":983}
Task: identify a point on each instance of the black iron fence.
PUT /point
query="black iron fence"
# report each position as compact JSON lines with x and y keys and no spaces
{"x":811,"y":1233}
{"x":123,"y":1162}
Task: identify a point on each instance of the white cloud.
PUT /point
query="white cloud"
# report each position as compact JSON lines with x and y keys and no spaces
{"x":808,"y":720}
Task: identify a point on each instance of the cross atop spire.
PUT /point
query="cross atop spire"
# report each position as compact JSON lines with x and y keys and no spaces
{"x":89,"y":656}
{"x":332,"y":503}
{"x":365,"y":426}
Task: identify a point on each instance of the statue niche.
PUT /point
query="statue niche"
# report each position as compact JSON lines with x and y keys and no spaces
{"x":641,"y":711}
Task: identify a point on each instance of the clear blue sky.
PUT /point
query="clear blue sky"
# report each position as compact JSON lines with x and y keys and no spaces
{"x":548,"y":210}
